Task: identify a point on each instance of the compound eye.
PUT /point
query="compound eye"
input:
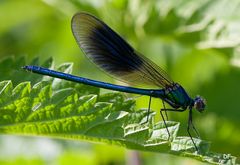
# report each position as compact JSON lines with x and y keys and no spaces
{"x":199,"y":104}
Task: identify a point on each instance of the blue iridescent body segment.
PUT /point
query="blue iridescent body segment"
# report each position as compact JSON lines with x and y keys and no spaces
{"x":111,"y":53}
{"x":177,"y":97}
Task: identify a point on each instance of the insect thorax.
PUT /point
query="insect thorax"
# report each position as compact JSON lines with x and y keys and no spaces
{"x":177,"y":97}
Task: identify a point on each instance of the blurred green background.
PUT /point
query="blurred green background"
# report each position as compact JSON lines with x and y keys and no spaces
{"x":196,"y":42}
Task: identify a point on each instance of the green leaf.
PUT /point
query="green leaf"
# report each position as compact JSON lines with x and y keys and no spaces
{"x":193,"y":22}
{"x":10,"y":69}
{"x":61,"y":109}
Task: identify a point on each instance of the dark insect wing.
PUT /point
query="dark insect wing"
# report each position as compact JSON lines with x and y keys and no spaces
{"x":113,"y":54}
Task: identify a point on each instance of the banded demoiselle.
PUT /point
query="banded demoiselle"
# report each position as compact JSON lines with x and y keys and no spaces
{"x":113,"y":54}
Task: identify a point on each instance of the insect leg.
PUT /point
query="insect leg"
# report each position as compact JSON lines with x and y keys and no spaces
{"x":194,"y":128}
{"x":188,"y":128}
{"x":165,"y":122}
{"x":173,"y":110}
{"x":165,"y":108}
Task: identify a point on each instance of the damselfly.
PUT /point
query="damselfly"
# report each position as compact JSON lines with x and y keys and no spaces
{"x":113,"y":54}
